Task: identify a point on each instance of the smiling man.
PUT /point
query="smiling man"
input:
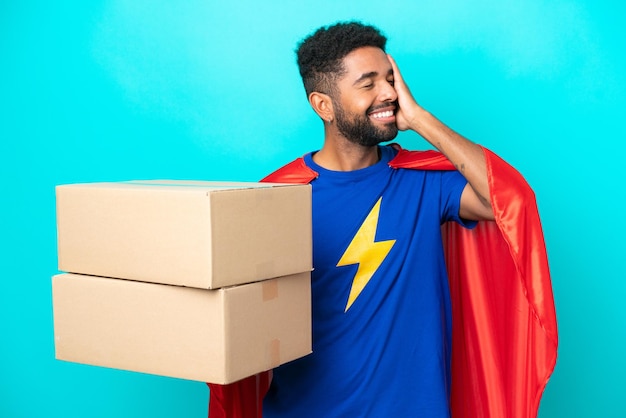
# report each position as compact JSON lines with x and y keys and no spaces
{"x":381,"y":308}
{"x":382,"y":305}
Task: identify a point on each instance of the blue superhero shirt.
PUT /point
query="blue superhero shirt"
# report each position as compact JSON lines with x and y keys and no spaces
{"x":381,"y":307}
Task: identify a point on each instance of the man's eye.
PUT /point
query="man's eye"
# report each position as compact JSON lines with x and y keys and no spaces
{"x":392,"y":82}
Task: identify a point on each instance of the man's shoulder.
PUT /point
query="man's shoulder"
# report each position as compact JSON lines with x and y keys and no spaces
{"x":294,"y":172}
{"x":419,"y":160}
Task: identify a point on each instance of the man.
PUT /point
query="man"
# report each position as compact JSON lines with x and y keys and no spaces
{"x":382,"y":314}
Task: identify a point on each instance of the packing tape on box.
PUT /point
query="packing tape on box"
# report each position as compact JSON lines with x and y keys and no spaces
{"x":270,"y":290}
{"x":274,"y":353}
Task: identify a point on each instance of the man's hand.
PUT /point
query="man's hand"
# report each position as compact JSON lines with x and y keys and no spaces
{"x":408,"y":109}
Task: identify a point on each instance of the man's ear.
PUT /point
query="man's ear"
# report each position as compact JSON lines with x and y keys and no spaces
{"x":322,"y":105}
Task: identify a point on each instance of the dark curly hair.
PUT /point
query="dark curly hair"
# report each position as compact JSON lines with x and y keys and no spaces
{"x":320,"y":55}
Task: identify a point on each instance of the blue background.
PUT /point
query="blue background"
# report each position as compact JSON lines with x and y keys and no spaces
{"x":130,"y":89}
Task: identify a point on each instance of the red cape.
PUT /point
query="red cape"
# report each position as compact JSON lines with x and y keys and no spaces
{"x":504,"y":332}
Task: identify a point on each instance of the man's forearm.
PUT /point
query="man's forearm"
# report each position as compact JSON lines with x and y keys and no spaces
{"x":467,"y":157}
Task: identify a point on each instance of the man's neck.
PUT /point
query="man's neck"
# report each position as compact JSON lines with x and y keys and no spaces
{"x":346,"y":156}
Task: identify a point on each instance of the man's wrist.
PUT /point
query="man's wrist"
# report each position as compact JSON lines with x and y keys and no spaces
{"x":419,"y":120}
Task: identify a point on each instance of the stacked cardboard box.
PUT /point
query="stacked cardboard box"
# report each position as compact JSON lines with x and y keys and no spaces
{"x":207,"y":281}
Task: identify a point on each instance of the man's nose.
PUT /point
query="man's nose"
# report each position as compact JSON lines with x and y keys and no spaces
{"x":388,"y":93}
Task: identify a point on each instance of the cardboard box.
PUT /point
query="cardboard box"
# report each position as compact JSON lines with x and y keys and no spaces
{"x":197,"y":234}
{"x":217,"y":336}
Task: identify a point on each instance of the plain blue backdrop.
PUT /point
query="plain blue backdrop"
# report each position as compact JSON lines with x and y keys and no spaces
{"x":207,"y":90}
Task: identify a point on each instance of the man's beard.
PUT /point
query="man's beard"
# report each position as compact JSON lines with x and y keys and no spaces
{"x":360,"y":130}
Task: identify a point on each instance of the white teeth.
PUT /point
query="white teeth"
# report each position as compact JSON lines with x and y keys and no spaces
{"x":385,"y":114}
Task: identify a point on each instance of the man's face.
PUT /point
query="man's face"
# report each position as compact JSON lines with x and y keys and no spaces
{"x":365,"y":108}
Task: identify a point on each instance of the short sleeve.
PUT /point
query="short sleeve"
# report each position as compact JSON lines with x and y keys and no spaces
{"x":452,"y":185}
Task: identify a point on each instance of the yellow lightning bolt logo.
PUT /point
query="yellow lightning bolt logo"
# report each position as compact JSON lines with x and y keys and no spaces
{"x":363,"y":251}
